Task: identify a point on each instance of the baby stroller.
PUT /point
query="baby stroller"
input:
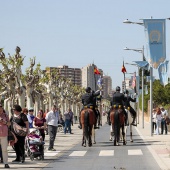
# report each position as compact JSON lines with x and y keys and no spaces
{"x":34,"y":146}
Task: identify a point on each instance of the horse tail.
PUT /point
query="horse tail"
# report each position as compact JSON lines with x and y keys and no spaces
{"x":116,"y":124}
{"x":86,"y":124}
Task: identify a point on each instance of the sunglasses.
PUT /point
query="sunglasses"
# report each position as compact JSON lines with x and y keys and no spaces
{"x":31,"y":110}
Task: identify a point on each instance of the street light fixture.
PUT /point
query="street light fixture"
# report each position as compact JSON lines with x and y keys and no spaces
{"x":151,"y":75}
{"x":143,"y":58}
{"x":130,"y":22}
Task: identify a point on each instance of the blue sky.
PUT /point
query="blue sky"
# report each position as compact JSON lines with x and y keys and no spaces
{"x":79,"y":32}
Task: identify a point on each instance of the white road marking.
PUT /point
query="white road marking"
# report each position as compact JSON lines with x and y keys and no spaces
{"x":106,"y":153}
{"x":78,"y":153}
{"x":135,"y":152}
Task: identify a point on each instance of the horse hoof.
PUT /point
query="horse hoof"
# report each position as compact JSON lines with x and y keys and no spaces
{"x":90,"y":145}
{"x":124,"y":143}
{"x":110,"y":139}
{"x":94,"y":142}
{"x":131,"y":140}
{"x":84,"y":145}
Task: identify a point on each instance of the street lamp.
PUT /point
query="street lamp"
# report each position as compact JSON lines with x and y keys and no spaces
{"x":151,"y":76}
{"x":130,"y":22}
{"x":138,"y":97}
{"x":143,"y":58}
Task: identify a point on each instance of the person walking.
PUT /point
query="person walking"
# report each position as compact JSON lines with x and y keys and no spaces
{"x":40,"y":123}
{"x":154,"y":121}
{"x":158,"y":120}
{"x":52,"y":118}
{"x":4,"y":123}
{"x":68,"y":120}
{"x":30,"y":117}
{"x":163,"y":121}
{"x":25,"y":111}
{"x":21,"y":120}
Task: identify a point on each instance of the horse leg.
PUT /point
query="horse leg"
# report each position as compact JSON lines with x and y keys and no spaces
{"x":111,"y":132}
{"x":90,"y":134}
{"x":131,"y":140}
{"x":93,"y":135}
{"x":123,"y":134}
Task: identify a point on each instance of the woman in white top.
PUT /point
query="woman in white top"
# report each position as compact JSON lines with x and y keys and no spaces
{"x":154,"y":120}
{"x":158,"y":120}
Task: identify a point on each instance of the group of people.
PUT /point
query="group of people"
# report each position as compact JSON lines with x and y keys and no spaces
{"x":159,"y":121}
{"x":26,"y":119}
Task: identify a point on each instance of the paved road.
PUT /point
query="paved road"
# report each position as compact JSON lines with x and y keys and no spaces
{"x":145,"y":153}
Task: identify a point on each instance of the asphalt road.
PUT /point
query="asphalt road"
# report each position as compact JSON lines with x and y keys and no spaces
{"x":103,"y":155}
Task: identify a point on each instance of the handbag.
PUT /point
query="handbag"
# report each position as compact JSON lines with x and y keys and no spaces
{"x":19,"y":130}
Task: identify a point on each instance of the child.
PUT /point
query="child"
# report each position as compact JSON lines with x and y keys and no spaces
{"x":34,"y":139}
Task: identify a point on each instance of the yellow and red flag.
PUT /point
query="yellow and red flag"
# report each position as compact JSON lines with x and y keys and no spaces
{"x":96,"y":71}
{"x":123,"y":68}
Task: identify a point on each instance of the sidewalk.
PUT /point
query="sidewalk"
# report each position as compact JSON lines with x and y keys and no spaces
{"x":158,"y":145}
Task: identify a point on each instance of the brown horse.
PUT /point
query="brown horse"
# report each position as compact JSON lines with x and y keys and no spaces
{"x":117,"y":121}
{"x":87,"y":120}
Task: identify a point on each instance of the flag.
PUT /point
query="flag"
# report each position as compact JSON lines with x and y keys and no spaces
{"x":123,"y":68}
{"x":155,"y":31}
{"x":96,"y":71}
{"x":163,"y":73}
{"x":99,"y":82}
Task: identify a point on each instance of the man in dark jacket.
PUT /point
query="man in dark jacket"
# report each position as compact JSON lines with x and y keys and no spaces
{"x":128,"y":106}
{"x":119,"y":99}
{"x":88,"y":100}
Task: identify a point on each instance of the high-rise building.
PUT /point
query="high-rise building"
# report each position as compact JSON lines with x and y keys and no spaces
{"x":74,"y":74}
{"x":107,"y":86}
{"x":89,"y":79}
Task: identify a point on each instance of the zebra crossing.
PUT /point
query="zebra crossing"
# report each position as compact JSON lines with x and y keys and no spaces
{"x":130,"y":152}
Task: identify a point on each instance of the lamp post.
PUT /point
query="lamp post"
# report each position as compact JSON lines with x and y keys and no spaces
{"x":138,"y":95}
{"x":143,"y":59}
{"x":151,"y":76}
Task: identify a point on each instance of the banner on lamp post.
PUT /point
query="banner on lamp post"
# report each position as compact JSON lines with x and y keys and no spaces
{"x":163,"y":73}
{"x":156,"y":41}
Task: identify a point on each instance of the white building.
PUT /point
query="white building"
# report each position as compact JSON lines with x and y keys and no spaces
{"x":89,"y":79}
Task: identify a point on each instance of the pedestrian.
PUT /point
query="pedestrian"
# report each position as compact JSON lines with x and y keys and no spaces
{"x":52,"y":118}
{"x":4,"y":123}
{"x":44,"y":115}
{"x":21,"y":119}
{"x":40,"y":123}
{"x":154,"y":121}
{"x":158,"y":120}
{"x":68,"y":121}
{"x":163,"y":121}
{"x":30,"y":117}
{"x":25,"y":111}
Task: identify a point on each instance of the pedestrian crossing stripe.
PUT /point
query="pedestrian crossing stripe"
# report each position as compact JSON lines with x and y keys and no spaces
{"x":106,"y":153}
{"x":135,"y":152}
{"x":47,"y":153}
{"x":82,"y":153}
{"x":78,"y":153}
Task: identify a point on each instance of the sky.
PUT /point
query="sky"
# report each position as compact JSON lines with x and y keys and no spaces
{"x":80,"y":32}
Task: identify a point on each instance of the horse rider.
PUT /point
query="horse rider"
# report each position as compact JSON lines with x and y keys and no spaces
{"x":118,"y":99}
{"x":128,"y":106}
{"x":88,"y":102}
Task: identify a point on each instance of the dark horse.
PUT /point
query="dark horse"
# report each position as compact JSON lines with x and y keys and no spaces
{"x":87,"y":120}
{"x":117,"y":121}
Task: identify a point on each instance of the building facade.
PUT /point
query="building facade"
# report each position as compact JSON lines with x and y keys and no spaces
{"x":74,"y":74}
{"x":107,"y":86}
